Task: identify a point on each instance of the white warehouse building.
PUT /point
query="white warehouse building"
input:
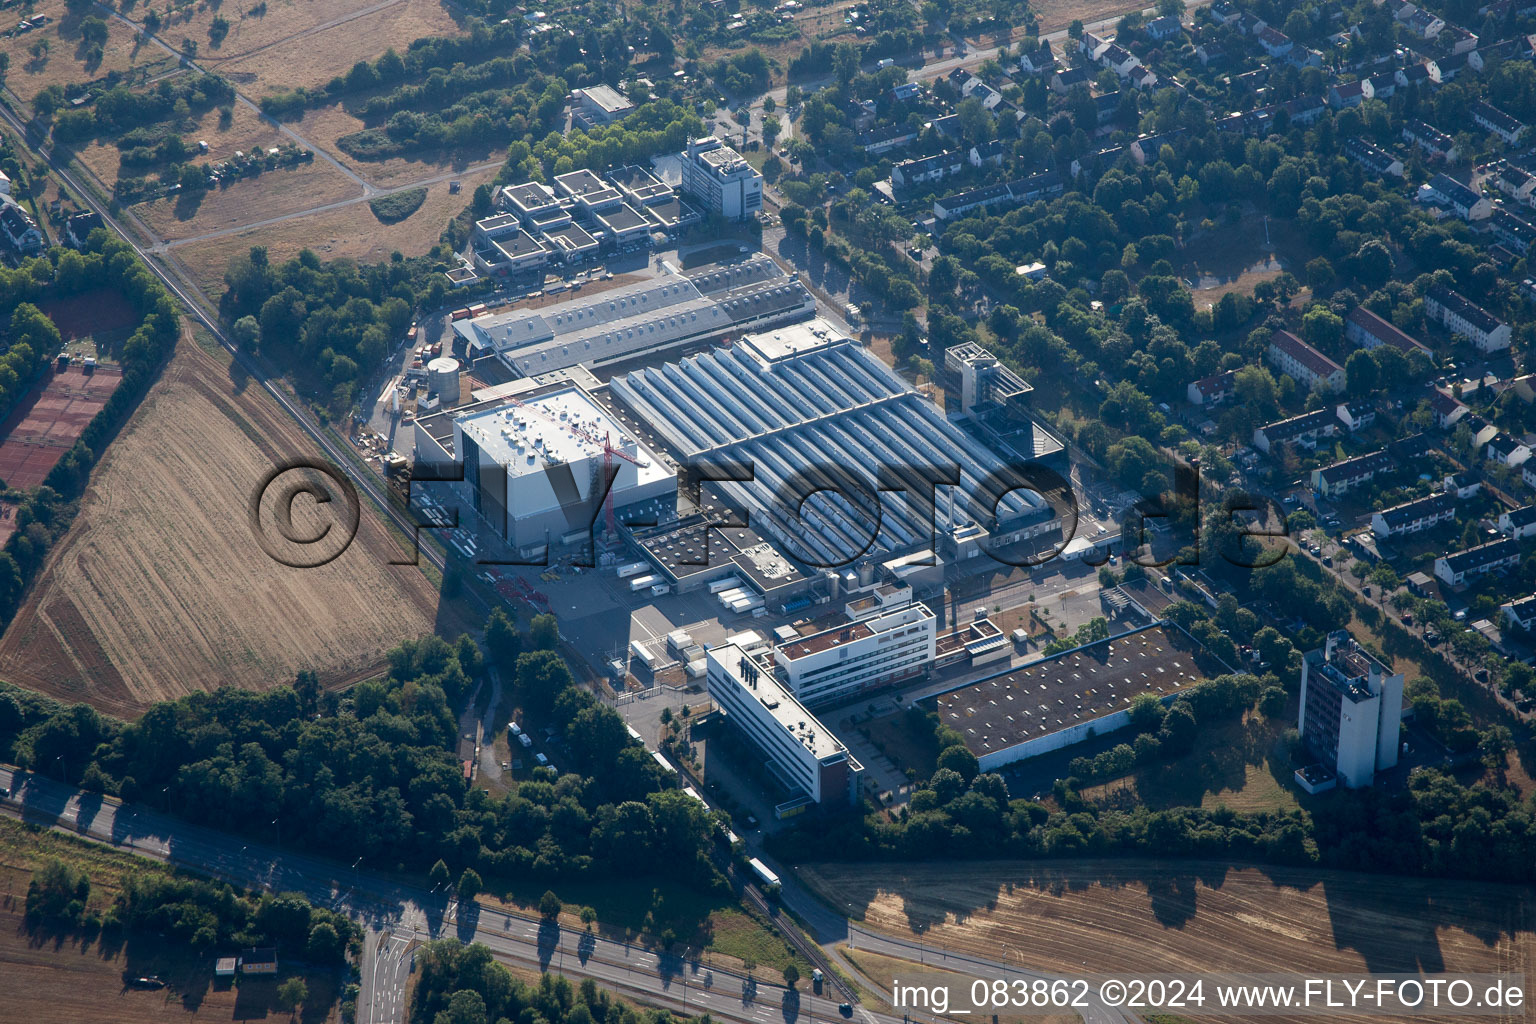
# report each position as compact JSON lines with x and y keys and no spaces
{"x":534,"y":466}
{"x":1072,"y":696}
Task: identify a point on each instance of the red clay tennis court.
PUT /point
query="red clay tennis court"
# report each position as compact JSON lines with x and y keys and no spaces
{"x":46,"y":423}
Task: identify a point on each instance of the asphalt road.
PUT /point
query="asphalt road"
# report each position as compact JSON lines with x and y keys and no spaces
{"x":396,"y":915}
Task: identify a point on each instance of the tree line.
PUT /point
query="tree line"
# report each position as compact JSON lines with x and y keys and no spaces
{"x":374,"y":771}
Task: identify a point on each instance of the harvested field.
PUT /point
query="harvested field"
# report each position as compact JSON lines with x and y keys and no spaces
{"x":350,"y":230}
{"x":327,"y":124}
{"x":274,"y":193}
{"x":64,"y":63}
{"x":49,"y":420}
{"x":312,"y":55}
{"x":1143,"y":916}
{"x":159,"y":589}
{"x":881,"y":969}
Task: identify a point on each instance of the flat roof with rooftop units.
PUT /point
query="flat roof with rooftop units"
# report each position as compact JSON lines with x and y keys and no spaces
{"x":640,"y":184}
{"x":1064,"y":699}
{"x":587,"y":187}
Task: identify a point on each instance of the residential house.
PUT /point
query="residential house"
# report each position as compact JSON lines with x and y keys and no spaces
{"x":1407,"y":450}
{"x":1118,"y":59}
{"x":1488,"y":116}
{"x":883,"y":140}
{"x":1305,"y":364}
{"x":79,"y":227}
{"x":1302,"y":431}
{"x":1445,"y":191}
{"x":1148,"y":148}
{"x":1462,"y":485}
{"x":908,"y":173}
{"x":1431,"y":140}
{"x":1217,"y":389}
{"x":901,"y":92}
{"x":1380,"y":87}
{"x":1454,"y":39}
{"x":1528,"y":474}
{"x":1014,"y":193}
{"x":1445,"y":69}
{"x":1348,"y":474}
{"x":1305,"y":109}
{"x":1210,"y":53}
{"x":1465,"y":318}
{"x":1107,"y":107}
{"x":1462,"y":567}
{"x":1368,"y":331}
{"x":1090,"y":45}
{"x":1482,"y":431}
{"x":1038,"y":59}
{"x":1447,"y":409}
{"x":1164,"y":28}
{"x":1274,"y":42}
{"x":1507,"y":450}
{"x":18,"y":227}
{"x":1062,"y":82}
{"x":1423,"y":24}
{"x":1346,"y":94}
{"x":1414,"y":516}
{"x":985,"y":154}
{"x":1513,"y":232}
{"x":1356,"y":415}
{"x":1520,"y":614}
{"x":1518,"y":523}
{"x":1515,"y":182}
{"x":1413,"y":75}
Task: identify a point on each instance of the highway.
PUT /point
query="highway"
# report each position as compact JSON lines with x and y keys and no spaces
{"x":396,"y":915}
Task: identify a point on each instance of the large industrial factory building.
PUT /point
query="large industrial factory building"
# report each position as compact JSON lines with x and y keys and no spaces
{"x":795,"y":402}
{"x":533,"y":465}
{"x":666,"y":312}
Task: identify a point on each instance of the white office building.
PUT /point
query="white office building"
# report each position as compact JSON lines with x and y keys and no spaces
{"x":1351,"y":709}
{"x":722,"y":180}
{"x":800,"y":751}
{"x":894,"y":642}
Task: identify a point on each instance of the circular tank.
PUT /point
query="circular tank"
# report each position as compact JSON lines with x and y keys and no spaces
{"x":443,"y":379}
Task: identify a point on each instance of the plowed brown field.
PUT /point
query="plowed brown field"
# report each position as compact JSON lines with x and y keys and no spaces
{"x":159,"y":588}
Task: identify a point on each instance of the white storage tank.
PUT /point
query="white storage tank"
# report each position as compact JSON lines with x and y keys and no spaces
{"x":443,"y":379}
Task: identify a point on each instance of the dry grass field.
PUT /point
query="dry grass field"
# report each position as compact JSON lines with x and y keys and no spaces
{"x":371,"y":26}
{"x":246,"y":131}
{"x":312,"y":54}
{"x":1143,"y":916}
{"x":159,"y":589}
{"x":350,"y":230}
{"x":327,"y":124}
{"x":65,"y":61}
{"x":273,"y":193}
{"x":50,"y":980}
